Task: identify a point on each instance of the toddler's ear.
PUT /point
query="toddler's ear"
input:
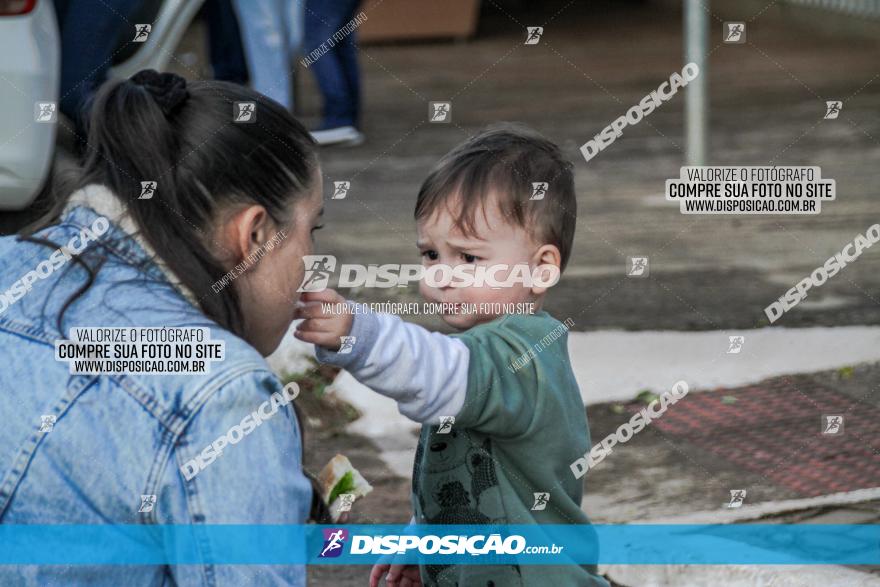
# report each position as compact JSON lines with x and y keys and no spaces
{"x":546,"y":264}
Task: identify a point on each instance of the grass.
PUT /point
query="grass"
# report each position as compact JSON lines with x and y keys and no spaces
{"x":321,"y":410}
{"x":646,"y":396}
{"x":314,"y":380}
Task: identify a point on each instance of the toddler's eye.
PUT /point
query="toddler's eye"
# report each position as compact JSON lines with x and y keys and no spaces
{"x":469,"y":258}
{"x":430,"y":255}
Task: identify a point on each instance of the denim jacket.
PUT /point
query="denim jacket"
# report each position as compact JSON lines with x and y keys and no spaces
{"x":118,"y":437}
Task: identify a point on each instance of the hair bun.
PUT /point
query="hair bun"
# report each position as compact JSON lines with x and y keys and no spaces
{"x":168,"y":89}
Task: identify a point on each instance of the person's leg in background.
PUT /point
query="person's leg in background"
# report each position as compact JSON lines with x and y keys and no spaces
{"x":61,"y":10}
{"x":336,"y":71}
{"x":262,"y":24}
{"x":348,"y":59}
{"x":91,"y":31}
{"x":224,"y":42}
{"x":295,"y":26}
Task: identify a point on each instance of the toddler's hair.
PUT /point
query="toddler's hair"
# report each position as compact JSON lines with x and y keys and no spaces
{"x":506,"y":160}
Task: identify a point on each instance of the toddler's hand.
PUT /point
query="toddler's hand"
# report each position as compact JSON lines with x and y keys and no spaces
{"x":321,"y":327}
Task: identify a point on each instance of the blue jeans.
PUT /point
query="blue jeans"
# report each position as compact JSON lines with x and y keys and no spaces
{"x":272,"y":33}
{"x":337,"y":70}
{"x":224,"y":42}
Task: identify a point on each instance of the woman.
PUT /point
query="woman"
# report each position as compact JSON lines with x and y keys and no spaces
{"x":119,"y":448}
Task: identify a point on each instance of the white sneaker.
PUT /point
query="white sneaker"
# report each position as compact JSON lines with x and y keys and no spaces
{"x":343,"y":135}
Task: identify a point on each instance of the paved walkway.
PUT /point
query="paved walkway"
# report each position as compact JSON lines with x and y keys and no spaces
{"x":764,"y":438}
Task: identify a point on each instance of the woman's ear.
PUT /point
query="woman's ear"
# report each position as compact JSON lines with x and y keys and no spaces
{"x":246,"y":231}
{"x":546,"y":261}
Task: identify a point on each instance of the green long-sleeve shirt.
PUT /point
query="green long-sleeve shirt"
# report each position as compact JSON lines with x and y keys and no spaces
{"x":522,"y":424}
{"x":519,"y":424}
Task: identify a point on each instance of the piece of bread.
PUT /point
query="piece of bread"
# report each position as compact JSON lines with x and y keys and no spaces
{"x":339,"y":477}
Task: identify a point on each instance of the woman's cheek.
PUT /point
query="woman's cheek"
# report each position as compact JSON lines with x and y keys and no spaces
{"x":294,"y":282}
{"x":290,"y":262}
{"x":307,"y":245}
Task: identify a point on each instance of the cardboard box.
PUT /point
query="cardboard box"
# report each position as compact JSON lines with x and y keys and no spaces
{"x":391,"y":20}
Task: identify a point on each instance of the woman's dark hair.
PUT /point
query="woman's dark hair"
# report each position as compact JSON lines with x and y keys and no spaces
{"x":185,"y":137}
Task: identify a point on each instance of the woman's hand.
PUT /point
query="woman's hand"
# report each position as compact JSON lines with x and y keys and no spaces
{"x":325,"y":319}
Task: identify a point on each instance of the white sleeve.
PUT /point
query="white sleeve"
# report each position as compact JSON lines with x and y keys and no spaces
{"x":425,"y":372}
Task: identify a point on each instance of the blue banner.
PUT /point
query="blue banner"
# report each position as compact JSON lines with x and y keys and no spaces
{"x":753,"y":544}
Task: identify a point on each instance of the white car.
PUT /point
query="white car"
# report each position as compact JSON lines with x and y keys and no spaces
{"x":30,"y":66}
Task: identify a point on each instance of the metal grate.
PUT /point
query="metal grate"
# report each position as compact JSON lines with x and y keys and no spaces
{"x":774,"y":430}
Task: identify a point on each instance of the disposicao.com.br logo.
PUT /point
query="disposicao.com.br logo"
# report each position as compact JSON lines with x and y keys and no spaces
{"x":319,"y":269}
{"x":429,"y":544}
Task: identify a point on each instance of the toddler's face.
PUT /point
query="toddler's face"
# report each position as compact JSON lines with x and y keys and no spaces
{"x":495,"y":242}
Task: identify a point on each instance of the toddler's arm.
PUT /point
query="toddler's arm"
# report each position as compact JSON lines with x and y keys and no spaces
{"x":425,"y":372}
